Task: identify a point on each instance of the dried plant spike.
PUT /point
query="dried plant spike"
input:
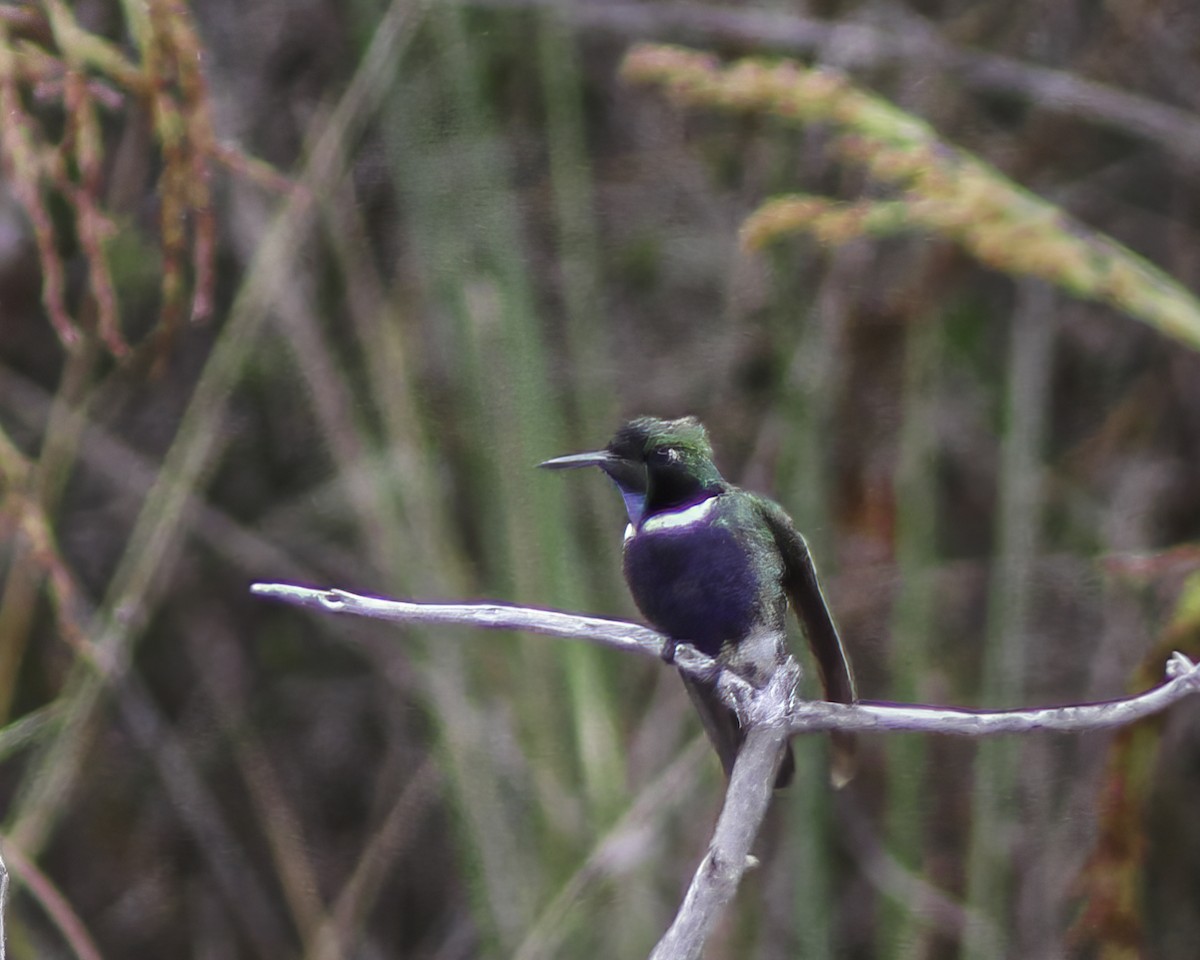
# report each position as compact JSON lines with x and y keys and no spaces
{"x":20,"y":152}
{"x":88,"y":50}
{"x":829,"y":221}
{"x":175,"y":26}
{"x":51,"y":58}
{"x":943,"y":190}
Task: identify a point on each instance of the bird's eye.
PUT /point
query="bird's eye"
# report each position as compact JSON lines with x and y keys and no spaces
{"x":664,"y":455}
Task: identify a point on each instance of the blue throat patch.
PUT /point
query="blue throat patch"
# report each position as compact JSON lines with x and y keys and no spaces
{"x":635,"y":503}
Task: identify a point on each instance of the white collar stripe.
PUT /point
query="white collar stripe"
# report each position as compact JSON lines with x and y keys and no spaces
{"x":675,"y":519}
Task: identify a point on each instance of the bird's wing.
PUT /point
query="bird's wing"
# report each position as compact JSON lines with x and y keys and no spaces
{"x":804,"y":591}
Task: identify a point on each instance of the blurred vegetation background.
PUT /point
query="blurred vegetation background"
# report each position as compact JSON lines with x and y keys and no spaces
{"x":427,"y":245}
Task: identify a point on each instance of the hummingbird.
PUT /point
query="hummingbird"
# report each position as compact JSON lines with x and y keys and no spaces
{"x":711,"y":564}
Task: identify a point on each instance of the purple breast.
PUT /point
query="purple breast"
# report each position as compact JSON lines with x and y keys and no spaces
{"x":698,"y":585}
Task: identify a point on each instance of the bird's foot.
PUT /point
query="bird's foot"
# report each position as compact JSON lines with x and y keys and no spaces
{"x":670,"y":645}
{"x":745,"y":699}
{"x":772,"y":704}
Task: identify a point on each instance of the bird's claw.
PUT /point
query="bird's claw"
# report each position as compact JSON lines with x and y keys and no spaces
{"x":773,"y":703}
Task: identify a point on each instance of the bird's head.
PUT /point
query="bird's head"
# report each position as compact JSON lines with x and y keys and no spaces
{"x":656,"y":464}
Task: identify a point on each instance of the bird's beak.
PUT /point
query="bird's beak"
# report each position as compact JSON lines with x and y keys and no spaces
{"x":629,"y":475}
{"x":597,"y":458}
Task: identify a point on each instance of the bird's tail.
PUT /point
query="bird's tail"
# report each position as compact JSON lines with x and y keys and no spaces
{"x":843,"y":758}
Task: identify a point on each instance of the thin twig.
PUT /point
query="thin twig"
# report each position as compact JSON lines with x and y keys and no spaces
{"x":51,"y":899}
{"x":344,"y":922}
{"x":911,"y":888}
{"x":626,"y":846}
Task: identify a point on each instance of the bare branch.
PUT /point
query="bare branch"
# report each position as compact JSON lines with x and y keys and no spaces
{"x":720,"y":872}
{"x":803,"y":716}
{"x":1183,"y":681}
{"x":618,"y":634}
{"x":770,"y":716}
